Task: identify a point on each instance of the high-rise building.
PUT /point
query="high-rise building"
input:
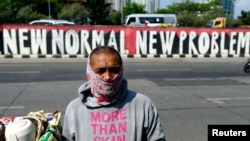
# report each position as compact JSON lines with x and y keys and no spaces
{"x":227,"y":5}
{"x":119,"y":4}
{"x":204,"y":1}
{"x":150,"y":5}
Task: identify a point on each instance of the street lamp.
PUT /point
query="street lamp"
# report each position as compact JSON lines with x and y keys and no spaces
{"x":121,"y":6}
{"x":49,"y":7}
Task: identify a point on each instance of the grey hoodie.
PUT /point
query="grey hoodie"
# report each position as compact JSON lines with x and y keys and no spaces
{"x":133,"y":117}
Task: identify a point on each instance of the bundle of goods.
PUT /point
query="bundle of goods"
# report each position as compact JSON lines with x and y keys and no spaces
{"x":36,"y":126}
{"x":2,"y":131}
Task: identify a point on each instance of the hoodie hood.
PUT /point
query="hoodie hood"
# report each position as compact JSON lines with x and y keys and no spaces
{"x":89,"y":100}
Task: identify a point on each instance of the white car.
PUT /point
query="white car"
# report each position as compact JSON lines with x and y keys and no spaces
{"x":51,"y":22}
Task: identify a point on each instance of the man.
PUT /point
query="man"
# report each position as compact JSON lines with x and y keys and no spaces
{"x":147,"y":22}
{"x":106,"y":110}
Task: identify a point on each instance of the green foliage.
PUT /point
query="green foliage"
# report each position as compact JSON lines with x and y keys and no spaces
{"x":164,"y":11}
{"x":133,"y":8}
{"x":74,"y":12}
{"x":233,"y":23}
{"x":115,"y":17}
{"x":190,"y":14}
{"x":98,"y":11}
{"x":26,"y":14}
{"x":245,"y":17}
{"x":14,"y":11}
{"x":5,"y":12}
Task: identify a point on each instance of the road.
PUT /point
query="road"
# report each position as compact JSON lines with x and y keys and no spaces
{"x":190,"y":93}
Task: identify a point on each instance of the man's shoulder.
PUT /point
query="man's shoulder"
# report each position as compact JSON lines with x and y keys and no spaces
{"x":75,"y":102}
{"x":137,"y":96}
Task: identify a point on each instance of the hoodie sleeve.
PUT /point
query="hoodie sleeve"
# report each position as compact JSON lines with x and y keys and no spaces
{"x":68,"y":124}
{"x":154,"y":130}
{"x":65,"y":133}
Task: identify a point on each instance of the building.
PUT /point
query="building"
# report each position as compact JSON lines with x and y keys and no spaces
{"x":115,"y":4}
{"x":204,"y":1}
{"x":150,"y":5}
{"x":84,"y":1}
{"x":227,"y":5}
{"x":70,"y":1}
{"x":119,"y":4}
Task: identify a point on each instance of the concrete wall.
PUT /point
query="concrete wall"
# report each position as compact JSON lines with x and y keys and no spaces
{"x":74,"y":41}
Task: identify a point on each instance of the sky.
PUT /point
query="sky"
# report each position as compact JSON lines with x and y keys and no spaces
{"x":239,"y":5}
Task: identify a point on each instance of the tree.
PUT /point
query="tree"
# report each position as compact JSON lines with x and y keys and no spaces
{"x":5,"y":11}
{"x":26,"y":14}
{"x":245,"y":17}
{"x":115,"y":17}
{"x":194,"y":14}
{"x":133,"y":8}
{"x":10,"y":9}
{"x":234,"y":23}
{"x":74,"y":12}
{"x":98,"y":11}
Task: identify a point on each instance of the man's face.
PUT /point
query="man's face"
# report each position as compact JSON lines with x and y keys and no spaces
{"x":106,"y":66}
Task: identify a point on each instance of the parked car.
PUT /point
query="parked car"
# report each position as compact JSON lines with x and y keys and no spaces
{"x":151,"y":20}
{"x":51,"y":22}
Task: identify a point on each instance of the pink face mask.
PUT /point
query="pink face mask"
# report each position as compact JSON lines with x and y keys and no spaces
{"x":104,"y":91}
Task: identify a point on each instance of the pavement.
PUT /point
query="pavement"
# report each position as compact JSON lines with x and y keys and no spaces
{"x":185,"y":110}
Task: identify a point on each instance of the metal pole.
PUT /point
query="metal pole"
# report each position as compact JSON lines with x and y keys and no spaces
{"x":49,"y":8}
{"x":121,"y":5}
